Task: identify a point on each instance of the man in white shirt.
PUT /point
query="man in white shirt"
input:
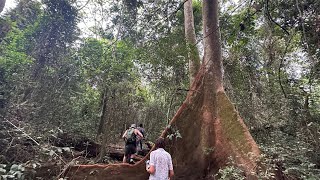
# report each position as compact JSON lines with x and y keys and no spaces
{"x":160,"y":167}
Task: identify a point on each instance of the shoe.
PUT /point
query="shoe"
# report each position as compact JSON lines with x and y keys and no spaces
{"x":131,"y":161}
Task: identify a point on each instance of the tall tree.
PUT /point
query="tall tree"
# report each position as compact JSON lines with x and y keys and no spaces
{"x":57,"y":30}
{"x":208,"y":123}
{"x":47,"y":34}
{"x":193,"y":54}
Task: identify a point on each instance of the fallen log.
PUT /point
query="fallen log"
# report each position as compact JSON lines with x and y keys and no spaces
{"x":78,"y":143}
{"x":117,"y":152}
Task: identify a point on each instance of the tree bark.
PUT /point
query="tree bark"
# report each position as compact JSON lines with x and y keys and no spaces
{"x":2,"y":3}
{"x":223,"y":128}
{"x":103,"y":125}
{"x":211,"y":129}
{"x":104,"y":102}
{"x":190,"y":35}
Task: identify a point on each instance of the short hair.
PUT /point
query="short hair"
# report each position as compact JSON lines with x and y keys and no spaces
{"x":160,"y":143}
{"x":140,"y":125}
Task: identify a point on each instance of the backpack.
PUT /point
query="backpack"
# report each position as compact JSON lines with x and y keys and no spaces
{"x":130,"y":136}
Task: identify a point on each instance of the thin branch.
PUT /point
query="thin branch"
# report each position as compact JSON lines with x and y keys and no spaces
{"x":237,"y":7}
{"x":168,"y":112}
{"x":171,"y":101}
{"x":79,"y":9}
{"x":19,"y":129}
{"x":168,"y":16}
{"x":71,"y":163}
{"x":281,"y":65}
{"x":272,"y":20}
{"x":38,"y":144}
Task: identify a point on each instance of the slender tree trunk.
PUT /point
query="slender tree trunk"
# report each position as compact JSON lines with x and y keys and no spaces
{"x":104,"y":102}
{"x":193,"y":54}
{"x":306,"y":108}
{"x":2,"y":3}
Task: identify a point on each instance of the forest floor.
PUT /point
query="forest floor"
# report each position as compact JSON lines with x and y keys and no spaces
{"x":23,"y":157}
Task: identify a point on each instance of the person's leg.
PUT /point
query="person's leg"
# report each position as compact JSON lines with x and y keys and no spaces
{"x":132,"y":156}
{"x":126,"y":153}
{"x":138,"y":146}
{"x":141,"y":144}
{"x":132,"y":152}
{"x":131,"y":161}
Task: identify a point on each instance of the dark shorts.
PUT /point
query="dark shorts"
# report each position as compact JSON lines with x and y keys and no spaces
{"x":130,"y":149}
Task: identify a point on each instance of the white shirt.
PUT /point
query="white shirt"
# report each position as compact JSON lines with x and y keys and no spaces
{"x":162,"y":162}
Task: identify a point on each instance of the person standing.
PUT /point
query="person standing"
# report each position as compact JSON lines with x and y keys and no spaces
{"x":130,"y":137}
{"x":139,"y":140}
{"x":160,"y":165}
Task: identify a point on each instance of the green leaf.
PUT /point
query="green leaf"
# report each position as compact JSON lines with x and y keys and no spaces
{"x":14,"y":167}
{"x":2,"y":171}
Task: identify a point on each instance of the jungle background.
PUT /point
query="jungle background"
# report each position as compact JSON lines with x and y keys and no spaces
{"x":86,"y":70}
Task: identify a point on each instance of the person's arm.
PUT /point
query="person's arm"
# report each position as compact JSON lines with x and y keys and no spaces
{"x":171,"y":172}
{"x":124,"y":134}
{"x":151,"y":168}
{"x":137,"y":132}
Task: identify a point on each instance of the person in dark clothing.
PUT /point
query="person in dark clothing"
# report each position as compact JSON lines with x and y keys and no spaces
{"x":130,"y":137}
{"x":139,"y":140}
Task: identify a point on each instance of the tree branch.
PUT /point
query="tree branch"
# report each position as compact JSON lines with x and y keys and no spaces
{"x":272,"y":20}
{"x":281,"y":65}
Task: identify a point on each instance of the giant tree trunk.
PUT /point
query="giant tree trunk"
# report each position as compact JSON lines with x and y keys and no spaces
{"x":211,"y":128}
{"x":2,"y":3}
{"x":193,"y":54}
